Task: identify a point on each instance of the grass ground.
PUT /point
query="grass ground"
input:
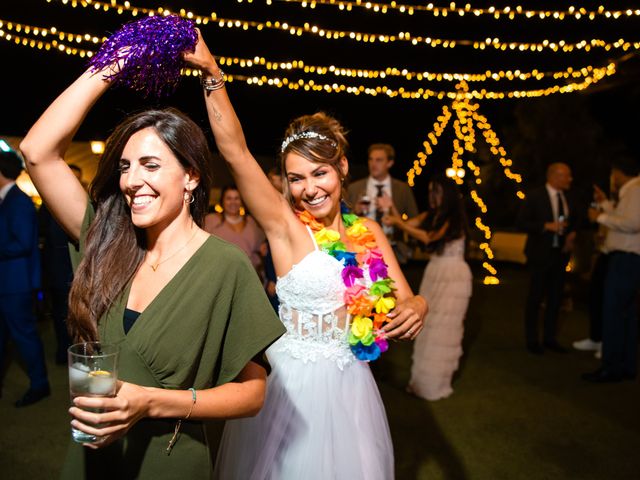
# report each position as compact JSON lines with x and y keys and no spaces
{"x":512,"y":415}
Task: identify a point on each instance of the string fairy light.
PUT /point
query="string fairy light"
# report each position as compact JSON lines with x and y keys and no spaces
{"x":559,"y":46}
{"x":53,"y":45}
{"x":467,"y":120}
{"x":418,"y":94}
{"x":389,"y":72}
{"x":340,"y":71}
{"x":508,"y":12}
{"x":50,"y":32}
{"x":311,"y":85}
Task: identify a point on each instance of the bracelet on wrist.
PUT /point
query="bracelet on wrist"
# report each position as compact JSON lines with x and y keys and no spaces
{"x":211,"y":84}
{"x":174,"y":438}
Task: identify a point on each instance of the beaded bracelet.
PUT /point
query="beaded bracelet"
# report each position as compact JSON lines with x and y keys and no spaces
{"x":211,"y":84}
{"x":174,"y":438}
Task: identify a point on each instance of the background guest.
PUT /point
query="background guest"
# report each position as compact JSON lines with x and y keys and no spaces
{"x":446,"y":285}
{"x":596,"y":292}
{"x":20,"y":277}
{"x":372,"y":196}
{"x":622,"y":280}
{"x":548,"y":217}
{"x":238,"y":228}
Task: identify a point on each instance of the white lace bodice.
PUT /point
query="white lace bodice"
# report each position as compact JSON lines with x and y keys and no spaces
{"x":311,"y":285}
{"x":312,"y":308}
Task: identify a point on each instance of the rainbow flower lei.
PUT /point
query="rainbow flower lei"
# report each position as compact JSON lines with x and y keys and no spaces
{"x":368,"y":306}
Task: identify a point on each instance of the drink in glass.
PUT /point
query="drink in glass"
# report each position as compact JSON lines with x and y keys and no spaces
{"x":93,"y":372}
{"x":365,"y":203}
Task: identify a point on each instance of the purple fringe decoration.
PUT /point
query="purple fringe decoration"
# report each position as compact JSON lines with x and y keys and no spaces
{"x":151,"y":49}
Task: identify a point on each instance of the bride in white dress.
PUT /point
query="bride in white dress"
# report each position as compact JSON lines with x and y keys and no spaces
{"x":323,"y":417}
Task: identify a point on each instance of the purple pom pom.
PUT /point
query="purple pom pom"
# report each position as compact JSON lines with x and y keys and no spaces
{"x":150,"y":50}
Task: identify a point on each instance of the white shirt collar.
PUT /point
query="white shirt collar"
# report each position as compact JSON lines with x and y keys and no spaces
{"x":552,"y":191}
{"x":4,"y":190}
{"x":386,"y":182}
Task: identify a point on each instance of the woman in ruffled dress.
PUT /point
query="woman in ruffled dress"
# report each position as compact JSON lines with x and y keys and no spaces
{"x":446,"y":284}
{"x":323,"y":417}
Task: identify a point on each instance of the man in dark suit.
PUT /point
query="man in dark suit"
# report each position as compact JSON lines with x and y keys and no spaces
{"x":548,"y":217}
{"x":373,"y":196}
{"x":20,"y":277}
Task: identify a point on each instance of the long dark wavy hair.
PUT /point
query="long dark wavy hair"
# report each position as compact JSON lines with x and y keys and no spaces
{"x":451,"y":209}
{"x":114,"y":247}
{"x":328,"y":150}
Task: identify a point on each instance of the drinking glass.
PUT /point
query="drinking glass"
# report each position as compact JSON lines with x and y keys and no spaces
{"x":365,"y":204}
{"x":93,"y":372}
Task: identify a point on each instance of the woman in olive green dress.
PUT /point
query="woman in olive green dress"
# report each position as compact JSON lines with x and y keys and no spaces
{"x":187,"y":309}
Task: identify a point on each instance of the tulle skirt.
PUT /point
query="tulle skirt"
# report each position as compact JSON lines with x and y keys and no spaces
{"x":318,"y":422}
{"x":446,"y":284}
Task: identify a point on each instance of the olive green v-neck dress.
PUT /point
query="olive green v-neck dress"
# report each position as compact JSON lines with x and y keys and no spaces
{"x":200,"y":331}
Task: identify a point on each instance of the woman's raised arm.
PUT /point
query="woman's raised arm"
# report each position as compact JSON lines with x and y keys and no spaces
{"x":266,"y":204}
{"x":46,"y":143}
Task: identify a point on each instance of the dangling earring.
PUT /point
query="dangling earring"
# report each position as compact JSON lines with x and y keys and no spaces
{"x":188,"y":197}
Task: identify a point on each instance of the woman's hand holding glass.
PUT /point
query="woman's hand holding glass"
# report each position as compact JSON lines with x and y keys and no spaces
{"x":120,"y":413}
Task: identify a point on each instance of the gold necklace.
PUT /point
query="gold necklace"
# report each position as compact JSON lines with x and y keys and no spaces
{"x":155,"y":267}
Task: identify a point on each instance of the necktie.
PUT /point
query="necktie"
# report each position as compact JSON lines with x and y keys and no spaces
{"x":560,"y":206}
{"x":561,"y":218}
{"x":379,"y":193}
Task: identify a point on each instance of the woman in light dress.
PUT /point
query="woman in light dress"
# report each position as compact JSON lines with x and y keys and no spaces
{"x":323,"y":417}
{"x":446,"y":284}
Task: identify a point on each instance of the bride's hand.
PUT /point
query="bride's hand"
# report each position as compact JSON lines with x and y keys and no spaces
{"x":201,"y":58}
{"x":407,"y":319}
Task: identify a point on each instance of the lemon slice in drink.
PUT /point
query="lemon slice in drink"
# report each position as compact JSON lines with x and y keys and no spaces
{"x":101,"y":382}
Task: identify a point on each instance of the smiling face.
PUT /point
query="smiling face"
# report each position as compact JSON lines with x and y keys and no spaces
{"x":231,"y":202}
{"x":315,"y":187}
{"x":153,"y":181}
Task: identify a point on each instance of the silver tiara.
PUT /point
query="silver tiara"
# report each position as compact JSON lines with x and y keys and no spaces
{"x":308,"y":134}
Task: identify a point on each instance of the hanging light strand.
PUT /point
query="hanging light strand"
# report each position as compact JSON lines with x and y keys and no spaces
{"x":467,"y":118}
{"x":559,"y":46}
{"x":507,"y":12}
{"x":46,"y":45}
{"x":296,"y":84}
{"x":313,"y":86}
{"x":338,"y":71}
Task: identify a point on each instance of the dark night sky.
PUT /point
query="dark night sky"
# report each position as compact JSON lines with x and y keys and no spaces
{"x":31,"y":78}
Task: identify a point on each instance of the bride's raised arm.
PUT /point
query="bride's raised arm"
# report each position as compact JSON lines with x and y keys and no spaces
{"x":45,"y":145}
{"x":266,"y":204}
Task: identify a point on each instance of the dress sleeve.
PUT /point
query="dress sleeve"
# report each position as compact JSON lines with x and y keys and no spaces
{"x":252,"y":326}
{"x":76,"y":250}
